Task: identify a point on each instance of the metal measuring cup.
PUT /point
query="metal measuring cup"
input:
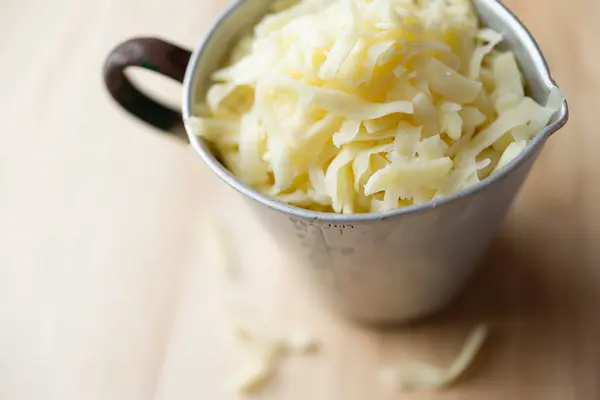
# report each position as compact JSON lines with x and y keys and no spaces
{"x":387,"y":267}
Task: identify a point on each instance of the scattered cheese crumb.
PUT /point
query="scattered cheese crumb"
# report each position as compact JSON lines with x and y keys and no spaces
{"x":215,"y":239}
{"x":254,"y":377}
{"x":303,"y":343}
{"x":418,"y":375}
{"x":268,"y":347}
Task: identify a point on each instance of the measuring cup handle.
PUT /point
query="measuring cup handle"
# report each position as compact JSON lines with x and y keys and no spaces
{"x":155,"y":55}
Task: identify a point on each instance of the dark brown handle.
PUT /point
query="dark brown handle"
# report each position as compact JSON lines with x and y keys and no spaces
{"x":153,"y":54}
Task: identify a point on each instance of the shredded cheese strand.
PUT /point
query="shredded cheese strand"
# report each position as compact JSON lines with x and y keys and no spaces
{"x":418,"y":375}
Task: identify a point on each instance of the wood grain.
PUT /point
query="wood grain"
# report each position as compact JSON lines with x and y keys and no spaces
{"x":108,"y":289}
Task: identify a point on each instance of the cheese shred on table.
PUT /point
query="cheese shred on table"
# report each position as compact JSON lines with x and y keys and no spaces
{"x":358,"y":106}
{"x":417,"y":375}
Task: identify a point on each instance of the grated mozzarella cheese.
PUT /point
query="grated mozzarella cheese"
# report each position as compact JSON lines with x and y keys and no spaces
{"x":357,"y":106}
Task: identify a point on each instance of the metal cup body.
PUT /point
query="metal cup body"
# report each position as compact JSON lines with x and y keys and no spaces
{"x":399,"y":265}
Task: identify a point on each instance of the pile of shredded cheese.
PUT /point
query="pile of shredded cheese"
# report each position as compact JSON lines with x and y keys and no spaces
{"x":357,"y":106}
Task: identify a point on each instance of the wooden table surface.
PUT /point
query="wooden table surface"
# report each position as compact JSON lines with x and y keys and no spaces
{"x":107,"y":288}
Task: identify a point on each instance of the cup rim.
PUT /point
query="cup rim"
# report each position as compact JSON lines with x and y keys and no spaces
{"x":223,"y":173}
